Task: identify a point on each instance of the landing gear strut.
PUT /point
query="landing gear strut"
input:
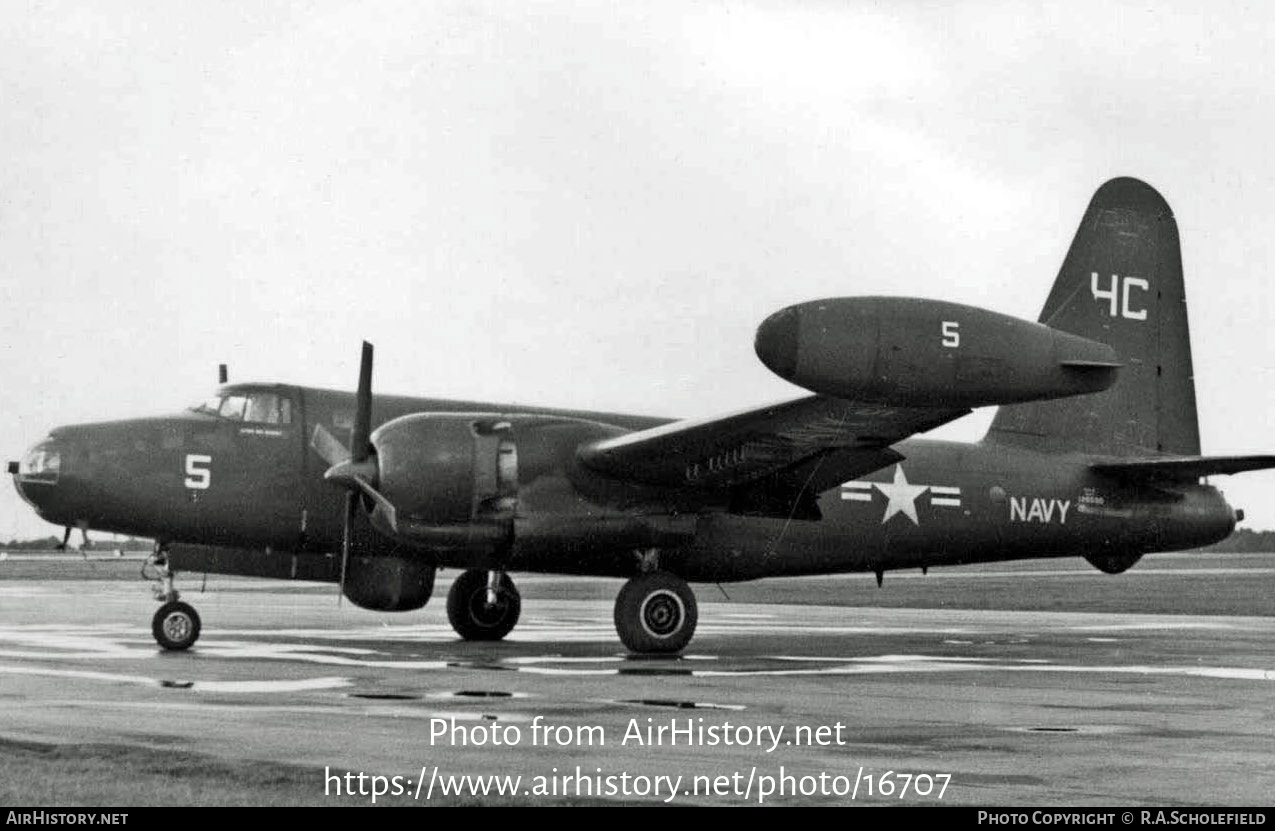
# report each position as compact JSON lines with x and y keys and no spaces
{"x":483,"y":605}
{"x":176,"y":625}
{"x":656,"y":613}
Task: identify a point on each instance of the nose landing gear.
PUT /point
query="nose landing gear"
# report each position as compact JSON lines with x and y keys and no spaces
{"x":176,"y":625}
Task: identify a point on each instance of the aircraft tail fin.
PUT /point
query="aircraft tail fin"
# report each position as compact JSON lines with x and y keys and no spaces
{"x":1121,"y":284}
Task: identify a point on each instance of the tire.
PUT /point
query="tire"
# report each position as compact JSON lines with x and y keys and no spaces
{"x":176,"y":626}
{"x":471,"y":616}
{"x":656,"y":613}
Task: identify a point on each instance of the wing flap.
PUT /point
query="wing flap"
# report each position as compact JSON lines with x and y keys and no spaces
{"x":730,"y":451}
{"x":1183,"y":468}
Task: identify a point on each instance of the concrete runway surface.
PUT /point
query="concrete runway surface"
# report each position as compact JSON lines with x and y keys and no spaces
{"x":993,"y":707}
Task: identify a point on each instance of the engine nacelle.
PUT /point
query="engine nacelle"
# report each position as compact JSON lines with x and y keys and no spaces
{"x":451,"y":477}
{"x":389,"y":584}
{"x":910,"y":352}
{"x":1112,"y":563}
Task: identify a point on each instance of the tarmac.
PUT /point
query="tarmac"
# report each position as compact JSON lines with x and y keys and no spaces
{"x":773,"y":702}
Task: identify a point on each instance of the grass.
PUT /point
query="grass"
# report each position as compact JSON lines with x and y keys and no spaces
{"x":108,"y":775}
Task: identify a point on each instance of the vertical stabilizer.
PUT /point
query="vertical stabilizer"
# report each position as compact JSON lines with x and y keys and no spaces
{"x":1120,"y":284}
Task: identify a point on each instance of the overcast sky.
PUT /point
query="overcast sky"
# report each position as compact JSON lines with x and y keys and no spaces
{"x":593,"y":205}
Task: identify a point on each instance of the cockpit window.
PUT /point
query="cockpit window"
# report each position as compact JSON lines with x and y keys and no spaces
{"x":232,"y":407}
{"x":254,"y":407}
{"x":268,"y":408}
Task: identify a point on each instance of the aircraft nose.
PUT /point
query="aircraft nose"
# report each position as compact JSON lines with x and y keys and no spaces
{"x":37,"y":475}
{"x":776,"y":342}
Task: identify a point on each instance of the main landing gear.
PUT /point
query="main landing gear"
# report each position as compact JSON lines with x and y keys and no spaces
{"x":176,"y":625}
{"x":483,"y":605}
{"x":656,"y":613}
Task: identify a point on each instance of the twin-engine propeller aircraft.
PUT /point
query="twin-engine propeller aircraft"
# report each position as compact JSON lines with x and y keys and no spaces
{"x":1094,"y":451}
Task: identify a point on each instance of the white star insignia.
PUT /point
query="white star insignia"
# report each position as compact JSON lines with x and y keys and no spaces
{"x":902,"y":496}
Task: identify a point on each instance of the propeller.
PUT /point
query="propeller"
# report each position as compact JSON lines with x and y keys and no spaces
{"x":348,"y":472}
{"x":358,"y":471}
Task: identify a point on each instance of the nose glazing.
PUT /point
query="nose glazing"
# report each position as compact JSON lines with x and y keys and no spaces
{"x":39,"y":472}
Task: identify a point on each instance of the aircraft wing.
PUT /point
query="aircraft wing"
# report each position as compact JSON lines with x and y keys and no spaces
{"x":818,"y":440}
{"x":1182,"y":468}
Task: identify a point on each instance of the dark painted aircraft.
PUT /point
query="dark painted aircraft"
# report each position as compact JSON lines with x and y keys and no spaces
{"x":1094,"y":451}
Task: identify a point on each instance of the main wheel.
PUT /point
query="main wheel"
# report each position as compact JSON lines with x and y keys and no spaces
{"x":176,"y":626}
{"x":656,"y":613}
{"x":473,"y":618}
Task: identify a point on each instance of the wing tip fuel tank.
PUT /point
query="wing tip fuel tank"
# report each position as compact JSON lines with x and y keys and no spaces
{"x":908,"y":351}
{"x":777,"y":340}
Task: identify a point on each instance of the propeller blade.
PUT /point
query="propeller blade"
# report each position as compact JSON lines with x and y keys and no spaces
{"x":328,"y":446}
{"x":356,"y":470}
{"x":350,"y":507}
{"x":360,"y":446}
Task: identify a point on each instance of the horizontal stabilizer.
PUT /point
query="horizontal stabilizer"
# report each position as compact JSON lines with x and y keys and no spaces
{"x":1183,"y":468}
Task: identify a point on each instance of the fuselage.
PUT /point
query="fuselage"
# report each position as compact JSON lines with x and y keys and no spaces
{"x":247,"y":473}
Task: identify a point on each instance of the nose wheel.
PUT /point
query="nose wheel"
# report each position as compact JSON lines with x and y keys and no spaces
{"x":656,"y":613}
{"x":483,"y":605}
{"x":176,"y":625}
